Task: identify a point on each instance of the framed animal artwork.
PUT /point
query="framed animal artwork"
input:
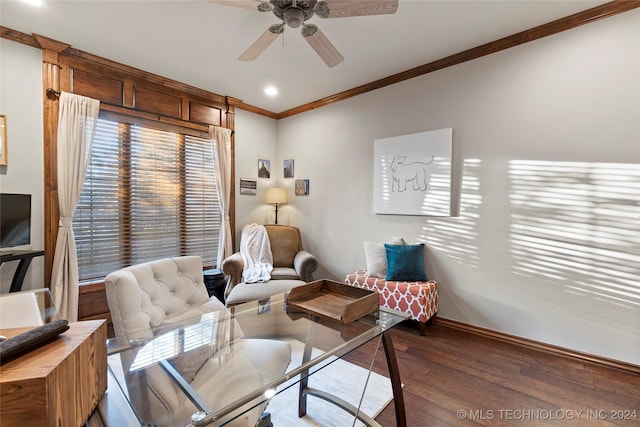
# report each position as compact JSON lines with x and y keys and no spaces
{"x":412,"y":174}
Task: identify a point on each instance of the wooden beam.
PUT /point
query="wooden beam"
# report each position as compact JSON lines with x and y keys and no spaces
{"x":257,"y":110}
{"x":51,"y":79}
{"x":18,"y":37}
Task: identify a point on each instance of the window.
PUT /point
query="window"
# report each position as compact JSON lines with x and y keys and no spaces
{"x":148,"y":194}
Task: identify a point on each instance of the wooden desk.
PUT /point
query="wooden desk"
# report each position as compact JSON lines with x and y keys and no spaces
{"x":58,"y":384}
{"x":25,"y":258}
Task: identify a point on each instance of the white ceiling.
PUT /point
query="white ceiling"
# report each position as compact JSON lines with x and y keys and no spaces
{"x":198,"y":42}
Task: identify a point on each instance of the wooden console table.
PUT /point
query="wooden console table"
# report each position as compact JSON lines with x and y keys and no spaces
{"x":25,"y":258}
{"x":58,"y":384}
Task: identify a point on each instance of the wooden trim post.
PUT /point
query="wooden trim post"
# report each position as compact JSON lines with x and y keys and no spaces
{"x":51,"y":78}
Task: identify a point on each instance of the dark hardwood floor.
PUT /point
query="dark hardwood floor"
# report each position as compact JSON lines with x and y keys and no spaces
{"x":456,"y":378}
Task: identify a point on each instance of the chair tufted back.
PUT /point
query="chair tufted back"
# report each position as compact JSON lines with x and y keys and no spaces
{"x":156,"y":293}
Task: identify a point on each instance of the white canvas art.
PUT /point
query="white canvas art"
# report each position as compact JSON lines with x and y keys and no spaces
{"x":412,"y":174}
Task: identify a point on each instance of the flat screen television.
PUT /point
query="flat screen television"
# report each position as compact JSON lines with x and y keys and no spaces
{"x":15,"y":220}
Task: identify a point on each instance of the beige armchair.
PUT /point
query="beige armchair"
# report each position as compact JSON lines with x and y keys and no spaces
{"x":149,"y":299}
{"x":292,"y":266}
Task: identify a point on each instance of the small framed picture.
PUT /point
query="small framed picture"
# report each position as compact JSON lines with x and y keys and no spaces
{"x":248,"y":187}
{"x":288,"y":168}
{"x":302,"y":187}
{"x":3,"y":140}
{"x":264,"y":168}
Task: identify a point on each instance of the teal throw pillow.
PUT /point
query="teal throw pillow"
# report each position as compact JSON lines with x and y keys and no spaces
{"x":405,"y":263}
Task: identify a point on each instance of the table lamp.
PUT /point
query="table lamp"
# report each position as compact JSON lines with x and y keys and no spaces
{"x":276,"y":196}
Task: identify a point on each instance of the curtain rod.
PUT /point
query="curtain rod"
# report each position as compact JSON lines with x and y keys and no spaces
{"x":54,"y":95}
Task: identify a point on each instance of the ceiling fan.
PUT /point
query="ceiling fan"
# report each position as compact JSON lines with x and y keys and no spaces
{"x":294,"y":13}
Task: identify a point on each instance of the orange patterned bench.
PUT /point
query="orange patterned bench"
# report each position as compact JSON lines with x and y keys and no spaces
{"x":419,"y":299}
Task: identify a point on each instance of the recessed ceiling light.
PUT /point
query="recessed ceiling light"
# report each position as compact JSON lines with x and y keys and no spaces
{"x":34,"y":2}
{"x":271,"y":90}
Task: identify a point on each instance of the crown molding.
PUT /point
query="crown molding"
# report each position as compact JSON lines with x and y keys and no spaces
{"x":572,"y":21}
{"x":563,"y":24}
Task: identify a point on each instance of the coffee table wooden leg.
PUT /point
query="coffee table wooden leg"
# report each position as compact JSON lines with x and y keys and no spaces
{"x":396,"y":384}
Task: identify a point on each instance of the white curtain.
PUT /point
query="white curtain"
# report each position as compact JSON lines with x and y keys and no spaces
{"x":76,"y":127}
{"x":221,"y":145}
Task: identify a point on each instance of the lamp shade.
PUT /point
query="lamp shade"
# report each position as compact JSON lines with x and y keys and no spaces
{"x":276,"y":196}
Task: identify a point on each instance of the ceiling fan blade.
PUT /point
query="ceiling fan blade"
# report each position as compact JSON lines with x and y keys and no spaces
{"x":263,"y":42}
{"x":245,"y":4}
{"x":346,"y":8}
{"x":321,"y":44}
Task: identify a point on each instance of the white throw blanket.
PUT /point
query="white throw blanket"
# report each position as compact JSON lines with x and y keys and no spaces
{"x":256,"y":254}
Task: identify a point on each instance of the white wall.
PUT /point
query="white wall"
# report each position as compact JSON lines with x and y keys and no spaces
{"x":544,"y":243}
{"x":21,"y":101}
{"x":255,"y":138}
{"x":545,"y":239}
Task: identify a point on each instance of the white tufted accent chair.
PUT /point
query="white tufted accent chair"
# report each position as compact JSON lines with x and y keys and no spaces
{"x":150,"y":297}
{"x":155,"y":294}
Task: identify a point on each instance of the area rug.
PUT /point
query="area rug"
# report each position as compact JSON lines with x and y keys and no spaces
{"x":340,"y":378}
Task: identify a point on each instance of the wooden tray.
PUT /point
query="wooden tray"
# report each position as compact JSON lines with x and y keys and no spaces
{"x":333,"y":300}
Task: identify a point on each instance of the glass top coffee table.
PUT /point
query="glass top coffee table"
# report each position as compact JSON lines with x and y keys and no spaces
{"x":223,"y":367}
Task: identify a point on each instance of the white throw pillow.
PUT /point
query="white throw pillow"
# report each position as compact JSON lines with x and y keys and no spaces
{"x":376,"y":256}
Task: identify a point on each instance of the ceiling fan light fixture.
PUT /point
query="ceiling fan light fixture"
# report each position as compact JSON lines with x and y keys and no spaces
{"x":276,"y":29}
{"x":295,"y":13}
{"x":322,"y":9}
{"x":294,"y":17}
{"x":308,"y":30}
{"x":265,"y":6}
